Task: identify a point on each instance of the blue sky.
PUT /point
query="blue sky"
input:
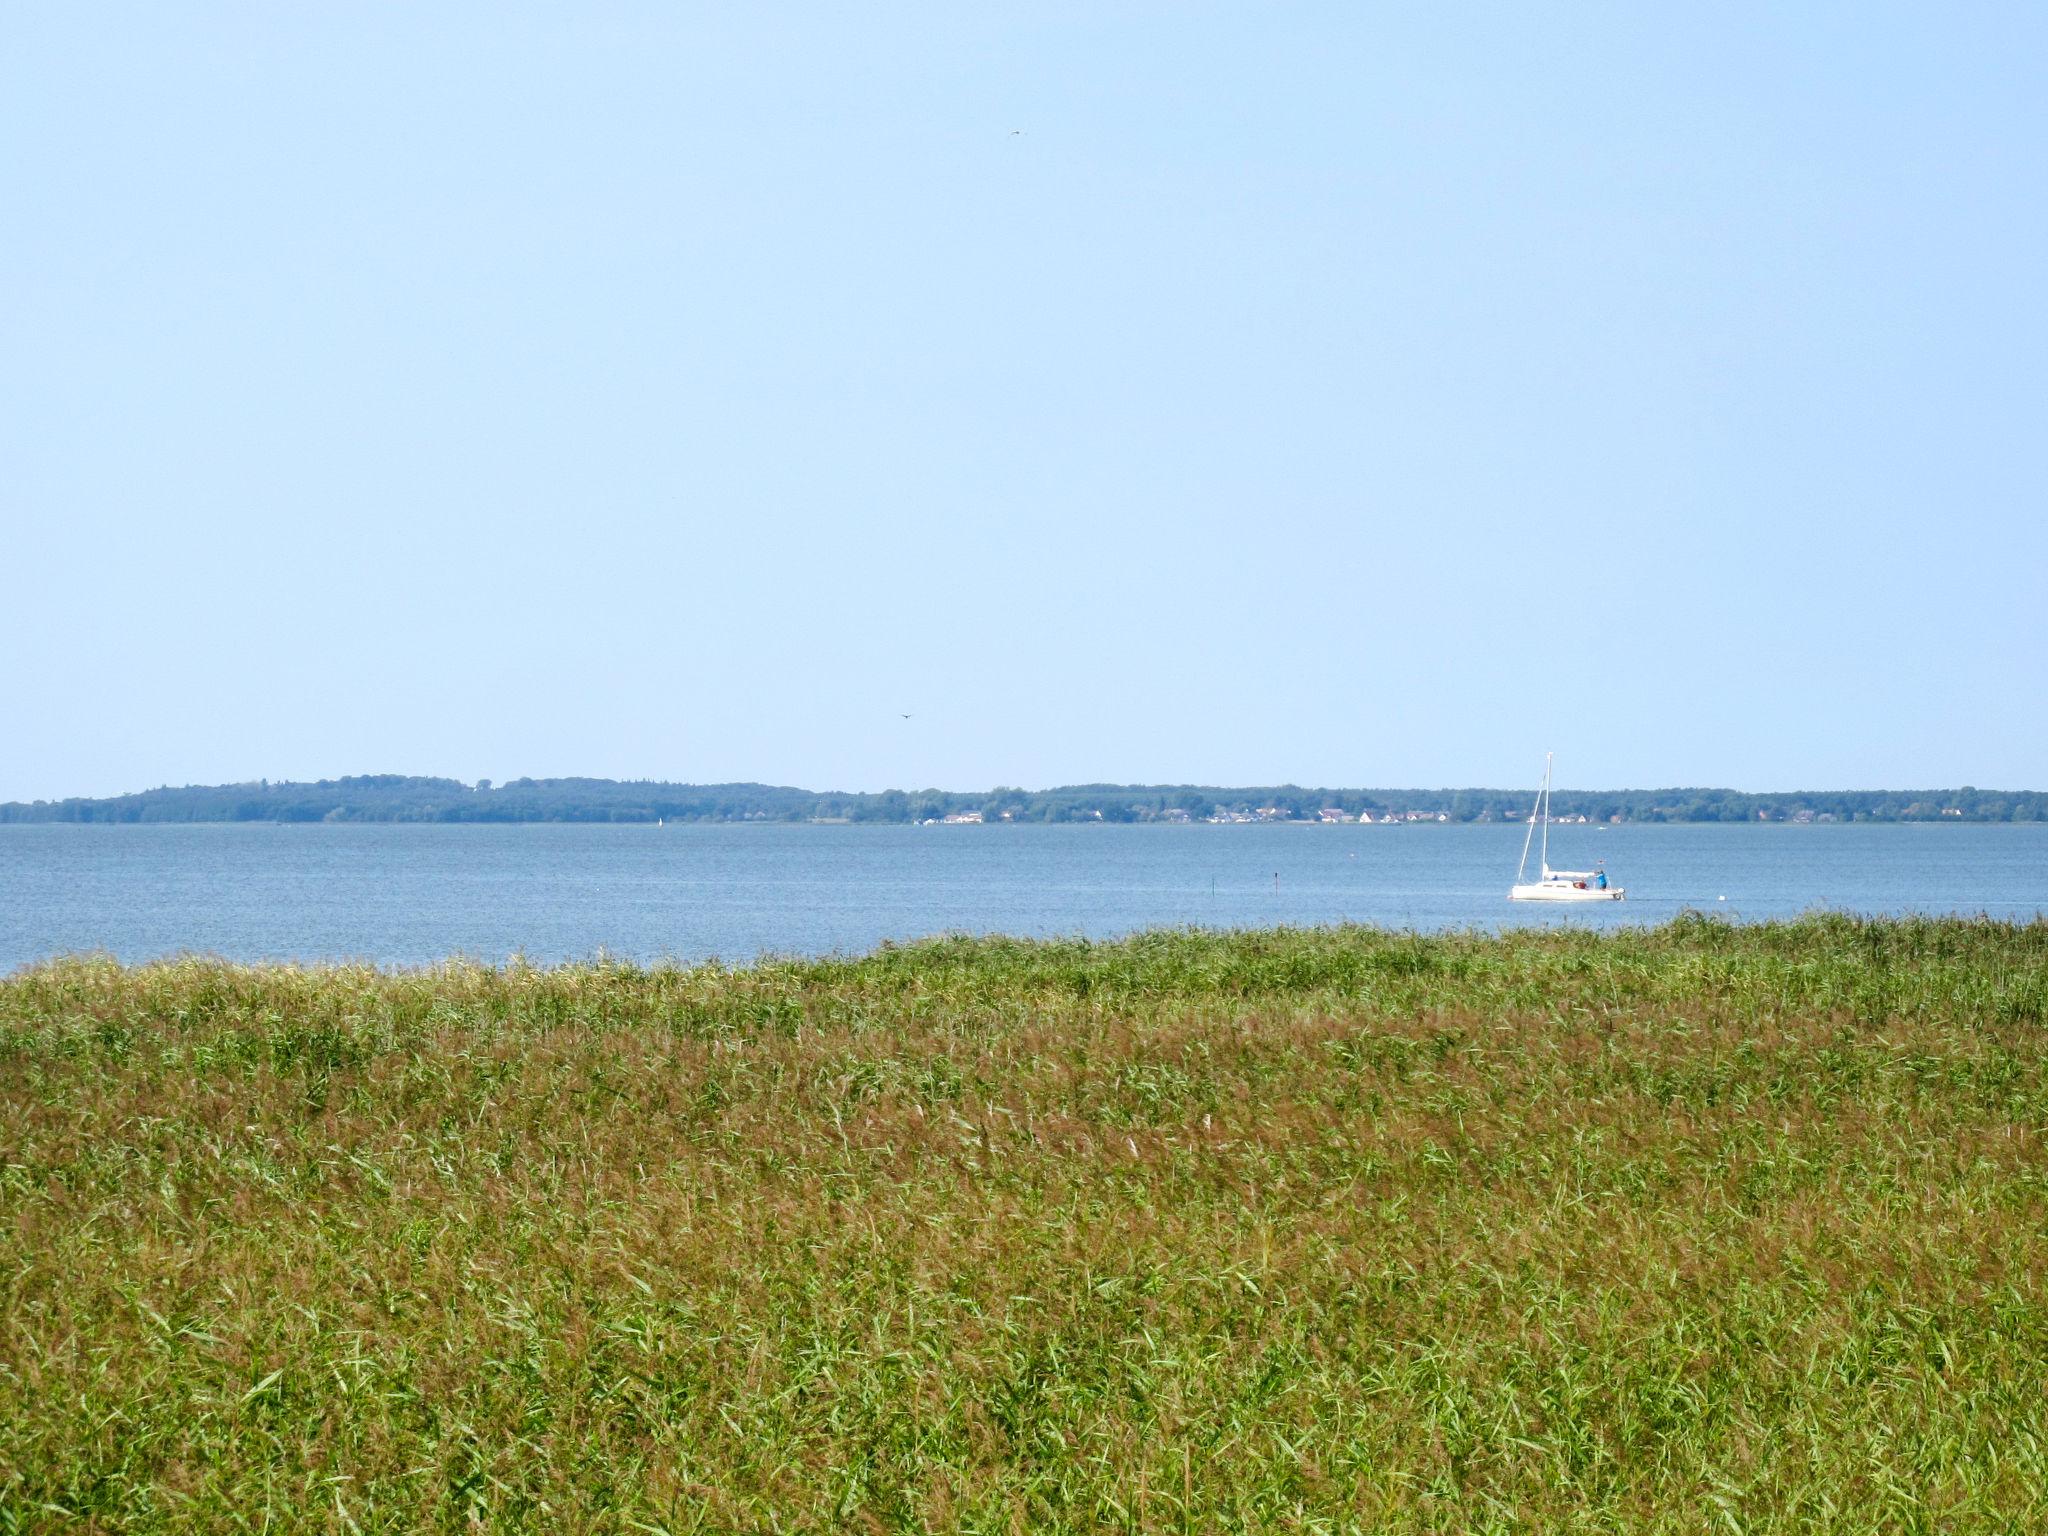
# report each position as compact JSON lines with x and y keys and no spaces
{"x":1339,"y":394}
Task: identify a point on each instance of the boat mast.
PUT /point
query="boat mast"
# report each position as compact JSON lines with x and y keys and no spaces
{"x":1522,"y":869}
{"x":1546,"y":813}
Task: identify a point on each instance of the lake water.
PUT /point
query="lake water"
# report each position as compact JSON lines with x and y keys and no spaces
{"x":410,"y":895}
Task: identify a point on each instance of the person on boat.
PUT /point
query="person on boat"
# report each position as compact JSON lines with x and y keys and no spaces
{"x":1600,"y":879}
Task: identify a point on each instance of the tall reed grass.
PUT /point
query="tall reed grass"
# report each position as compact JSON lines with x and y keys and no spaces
{"x":1706,"y":1227}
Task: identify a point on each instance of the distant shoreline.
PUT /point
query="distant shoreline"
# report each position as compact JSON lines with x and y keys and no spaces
{"x":405,"y":798}
{"x":827,"y":823}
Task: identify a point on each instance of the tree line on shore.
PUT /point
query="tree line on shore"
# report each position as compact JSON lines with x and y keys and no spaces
{"x":406,"y":798}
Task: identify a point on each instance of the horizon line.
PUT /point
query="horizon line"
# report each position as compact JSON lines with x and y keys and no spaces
{"x":485,"y":785}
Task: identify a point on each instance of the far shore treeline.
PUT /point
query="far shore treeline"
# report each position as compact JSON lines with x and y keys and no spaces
{"x":401,"y":797}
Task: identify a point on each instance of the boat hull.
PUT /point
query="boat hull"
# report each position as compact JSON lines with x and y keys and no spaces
{"x":1556,"y":891}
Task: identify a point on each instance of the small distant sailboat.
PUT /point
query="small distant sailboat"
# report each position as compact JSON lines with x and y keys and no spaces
{"x":1556,"y":884}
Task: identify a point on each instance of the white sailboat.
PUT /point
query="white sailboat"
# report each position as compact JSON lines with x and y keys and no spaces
{"x":1556,"y":884}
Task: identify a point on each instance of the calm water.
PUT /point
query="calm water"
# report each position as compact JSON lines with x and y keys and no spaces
{"x":404,"y":895}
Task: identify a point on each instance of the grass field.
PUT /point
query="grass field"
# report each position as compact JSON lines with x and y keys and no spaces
{"x":1697,"y":1228}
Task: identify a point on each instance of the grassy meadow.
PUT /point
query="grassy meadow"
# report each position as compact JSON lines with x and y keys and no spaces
{"x":1698,"y":1228}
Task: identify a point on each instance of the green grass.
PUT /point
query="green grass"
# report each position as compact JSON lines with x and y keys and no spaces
{"x":1702,"y":1228}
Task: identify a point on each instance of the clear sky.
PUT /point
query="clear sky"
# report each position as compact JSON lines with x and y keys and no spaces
{"x":1345,"y":394}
